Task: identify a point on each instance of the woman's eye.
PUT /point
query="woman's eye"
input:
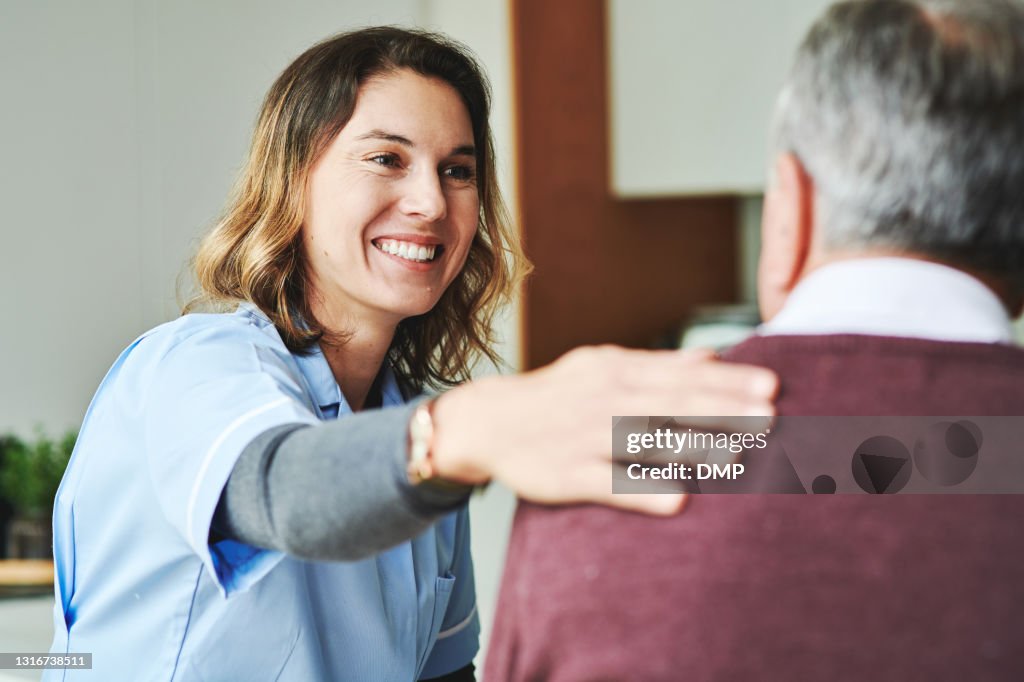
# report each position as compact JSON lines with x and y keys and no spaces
{"x":461,"y":173}
{"x":386,"y":160}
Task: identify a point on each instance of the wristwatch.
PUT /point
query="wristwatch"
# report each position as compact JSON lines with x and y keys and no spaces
{"x":421,"y":441}
{"x":420,"y":466}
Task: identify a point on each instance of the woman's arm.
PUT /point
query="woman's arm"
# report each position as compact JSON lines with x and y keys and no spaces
{"x":339,"y":490}
{"x":333,"y":491}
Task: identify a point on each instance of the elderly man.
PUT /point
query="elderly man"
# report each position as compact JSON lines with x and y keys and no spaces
{"x":891,"y":266}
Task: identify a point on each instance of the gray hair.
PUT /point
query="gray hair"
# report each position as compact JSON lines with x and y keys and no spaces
{"x":909,"y":116}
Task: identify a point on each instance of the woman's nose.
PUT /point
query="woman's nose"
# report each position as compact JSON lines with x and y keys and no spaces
{"x":424,"y":197}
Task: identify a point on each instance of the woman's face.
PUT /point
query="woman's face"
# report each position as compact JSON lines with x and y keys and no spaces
{"x":392,"y":203}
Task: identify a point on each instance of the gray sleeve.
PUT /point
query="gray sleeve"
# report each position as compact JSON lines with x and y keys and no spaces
{"x":334,"y":491}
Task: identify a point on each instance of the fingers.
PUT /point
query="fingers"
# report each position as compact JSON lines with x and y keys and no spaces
{"x":691,"y":370}
{"x":732,"y":424}
{"x":592,"y":482}
{"x":652,"y":382}
{"x":655,"y":504}
{"x":729,"y":377}
{"x":698,"y":354}
{"x":689,"y":401}
{"x":686,"y":385}
{"x":633,"y":423}
{"x":697,"y":371}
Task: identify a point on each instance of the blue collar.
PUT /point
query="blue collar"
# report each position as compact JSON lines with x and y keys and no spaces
{"x":326,"y":391}
{"x":320,"y":379}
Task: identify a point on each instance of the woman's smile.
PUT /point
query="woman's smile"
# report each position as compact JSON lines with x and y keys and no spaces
{"x":416,"y":252}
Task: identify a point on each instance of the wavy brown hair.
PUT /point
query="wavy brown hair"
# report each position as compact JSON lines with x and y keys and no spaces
{"x":254,"y":253}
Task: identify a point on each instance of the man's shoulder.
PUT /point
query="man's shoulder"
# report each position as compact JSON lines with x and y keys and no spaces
{"x":863,"y":374}
{"x":871,"y":348}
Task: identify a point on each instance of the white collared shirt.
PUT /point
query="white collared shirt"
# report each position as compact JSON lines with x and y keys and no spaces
{"x":893,"y":297}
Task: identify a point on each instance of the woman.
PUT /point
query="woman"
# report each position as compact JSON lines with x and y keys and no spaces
{"x":234,"y":508}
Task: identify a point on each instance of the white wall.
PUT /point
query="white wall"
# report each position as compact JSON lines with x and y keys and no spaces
{"x":71,"y":271}
{"x":123,"y":124}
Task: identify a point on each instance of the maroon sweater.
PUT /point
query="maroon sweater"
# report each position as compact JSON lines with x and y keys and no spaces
{"x":787,"y":587}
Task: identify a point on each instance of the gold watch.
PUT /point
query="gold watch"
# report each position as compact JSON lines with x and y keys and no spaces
{"x":420,"y":467}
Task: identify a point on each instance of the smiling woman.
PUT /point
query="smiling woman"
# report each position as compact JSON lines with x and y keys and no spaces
{"x":376,"y":135}
{"x":257,"y":491}
{"x":406,"y":160}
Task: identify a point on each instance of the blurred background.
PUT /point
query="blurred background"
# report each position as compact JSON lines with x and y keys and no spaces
{"x":632,"y":140}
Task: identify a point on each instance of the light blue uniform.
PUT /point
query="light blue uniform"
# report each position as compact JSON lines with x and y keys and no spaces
{"x":139,"y":586}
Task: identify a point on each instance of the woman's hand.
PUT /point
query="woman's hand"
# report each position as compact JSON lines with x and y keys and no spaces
{"x":547,"y":434}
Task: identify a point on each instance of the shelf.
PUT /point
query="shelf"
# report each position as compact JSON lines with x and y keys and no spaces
{"x":25,"y":577}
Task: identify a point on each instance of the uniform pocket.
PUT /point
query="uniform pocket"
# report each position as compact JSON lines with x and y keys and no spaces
{"x":443,"y":586}
{"x":252,"y":640}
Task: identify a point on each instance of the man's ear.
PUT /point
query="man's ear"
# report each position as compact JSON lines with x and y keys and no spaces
{"x":787,"y":224}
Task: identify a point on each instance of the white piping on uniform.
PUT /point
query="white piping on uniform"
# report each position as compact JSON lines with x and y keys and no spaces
{"x":194,"y":497}
{"x":458,"y":627}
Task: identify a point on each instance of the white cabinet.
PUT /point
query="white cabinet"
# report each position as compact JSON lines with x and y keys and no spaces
{"x":692,"y":89}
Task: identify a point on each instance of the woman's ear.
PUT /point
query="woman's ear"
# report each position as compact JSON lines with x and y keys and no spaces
{"x":787,"y":223}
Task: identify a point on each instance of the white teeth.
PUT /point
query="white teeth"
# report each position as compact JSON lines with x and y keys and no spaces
{"x":407,"y":250}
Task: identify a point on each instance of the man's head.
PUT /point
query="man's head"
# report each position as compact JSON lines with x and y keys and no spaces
{"x":900,"y":131}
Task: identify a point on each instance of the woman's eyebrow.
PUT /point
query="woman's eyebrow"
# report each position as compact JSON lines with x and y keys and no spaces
{"x":378,"y":134}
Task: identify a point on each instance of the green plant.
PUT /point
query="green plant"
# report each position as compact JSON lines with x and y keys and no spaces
{"x":30,"y":472}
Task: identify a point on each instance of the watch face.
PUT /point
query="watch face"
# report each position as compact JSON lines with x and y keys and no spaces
{"x":421,"y":433}
{"x":421,"y":426}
